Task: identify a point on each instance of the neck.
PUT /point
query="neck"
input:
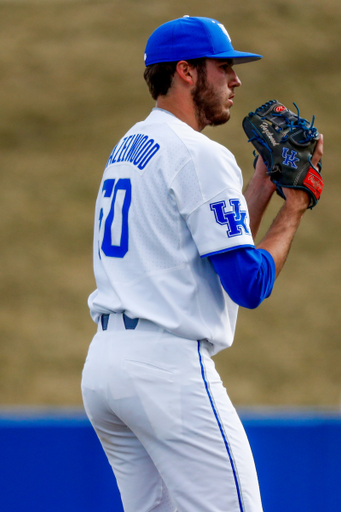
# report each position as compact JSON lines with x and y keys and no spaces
{"x":180,"y":107}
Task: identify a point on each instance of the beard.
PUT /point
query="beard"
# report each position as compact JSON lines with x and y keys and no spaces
{"x":207,"y":102}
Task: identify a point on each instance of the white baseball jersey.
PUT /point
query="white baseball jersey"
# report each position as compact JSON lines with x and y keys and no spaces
{"x":169,"y":197}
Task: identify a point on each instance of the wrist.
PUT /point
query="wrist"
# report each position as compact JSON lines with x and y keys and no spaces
{"x":296,"y":200}
{"x":263,"y":181}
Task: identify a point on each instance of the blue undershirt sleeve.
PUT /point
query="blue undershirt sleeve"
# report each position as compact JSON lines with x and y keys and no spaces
{"x":247,"y":274}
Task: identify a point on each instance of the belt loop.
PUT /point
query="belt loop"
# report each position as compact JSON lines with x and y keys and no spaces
{"x":104,"y":322}
{"x":130,"y":323}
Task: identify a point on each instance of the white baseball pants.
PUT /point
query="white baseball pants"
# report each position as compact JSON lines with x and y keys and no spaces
{"x":166,"y":423}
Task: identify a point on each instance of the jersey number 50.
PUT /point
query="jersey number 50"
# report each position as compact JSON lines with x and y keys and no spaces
{"x":116,"y":222}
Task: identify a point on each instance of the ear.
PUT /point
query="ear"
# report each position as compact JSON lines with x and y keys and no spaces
{"x":186,"y":72}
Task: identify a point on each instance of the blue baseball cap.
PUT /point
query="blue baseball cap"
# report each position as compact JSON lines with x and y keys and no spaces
{"x":192,"y":38}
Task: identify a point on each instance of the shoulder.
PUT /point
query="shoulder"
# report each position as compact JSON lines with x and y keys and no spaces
{"x":214,"y":164}
{"x":196,"y":143}
{"x":183,"y":148}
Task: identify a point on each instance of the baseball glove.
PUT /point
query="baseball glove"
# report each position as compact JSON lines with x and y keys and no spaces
{"x":286,"y":143}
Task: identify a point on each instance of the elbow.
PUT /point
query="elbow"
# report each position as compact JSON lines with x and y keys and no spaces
{"x":253,"y":303}
{"x":248,"y":302}
{"x":250,"y":295}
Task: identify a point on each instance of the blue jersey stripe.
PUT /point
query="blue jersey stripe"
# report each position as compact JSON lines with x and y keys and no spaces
{"x":252,"y":246}
{"x":222,"y":431}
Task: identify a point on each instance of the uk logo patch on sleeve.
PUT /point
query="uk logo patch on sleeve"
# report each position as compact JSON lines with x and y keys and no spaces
{"x":234,"y":219}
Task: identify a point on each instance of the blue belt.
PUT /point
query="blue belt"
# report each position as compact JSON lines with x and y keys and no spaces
{"x":129,"y":323}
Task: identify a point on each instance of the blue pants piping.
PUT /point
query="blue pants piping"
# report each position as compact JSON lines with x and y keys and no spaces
{"x":227,"y":446}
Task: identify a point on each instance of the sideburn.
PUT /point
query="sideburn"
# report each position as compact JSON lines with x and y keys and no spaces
{"x":207,"y":103}
{"x":198,"y":95}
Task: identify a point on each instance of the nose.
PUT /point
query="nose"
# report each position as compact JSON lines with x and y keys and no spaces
{"x":234,"y":79}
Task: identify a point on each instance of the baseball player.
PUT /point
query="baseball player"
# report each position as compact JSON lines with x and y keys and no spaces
{"x":174,"y":257}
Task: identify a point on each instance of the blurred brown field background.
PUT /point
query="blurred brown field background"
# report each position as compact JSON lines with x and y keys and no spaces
{"x":71,"y":85}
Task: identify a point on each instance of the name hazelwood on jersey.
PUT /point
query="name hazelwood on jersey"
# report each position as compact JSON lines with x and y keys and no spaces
{"x":169,"y":197}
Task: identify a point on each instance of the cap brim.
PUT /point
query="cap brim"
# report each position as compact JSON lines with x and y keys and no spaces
{"x":237,"y":57}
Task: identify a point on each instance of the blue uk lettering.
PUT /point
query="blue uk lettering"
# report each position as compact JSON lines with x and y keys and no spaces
{"x":290,"y":159}
{"x":235,"y":220}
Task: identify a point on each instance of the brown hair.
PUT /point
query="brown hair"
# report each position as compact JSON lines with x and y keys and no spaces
{"x":159,"y":76}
